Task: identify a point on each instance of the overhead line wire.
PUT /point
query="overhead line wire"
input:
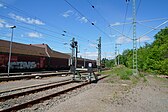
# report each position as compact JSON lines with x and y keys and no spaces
{"x":87,"y":18}
{"x":42,"y":28}
{"x":147,"y":26}
{"x":141,"y":21}
{"x":28,"y":14}
{"x":108,"y":22}
{"x":153,"y":29}
{"x":125,"y":16}
{"x":37,"y":30}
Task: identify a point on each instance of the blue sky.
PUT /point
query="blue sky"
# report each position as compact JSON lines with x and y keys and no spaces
{"x":44,"y":21}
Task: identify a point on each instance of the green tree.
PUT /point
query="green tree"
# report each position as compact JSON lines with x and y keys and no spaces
{"x":151,"y":57}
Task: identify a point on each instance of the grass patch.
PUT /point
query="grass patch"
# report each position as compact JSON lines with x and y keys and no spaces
{"x":123,"y":72}
{"x":135,"y":80}
{"x":107,"y":72}
{"x":144,"y":79}
{"x":143,"y":76}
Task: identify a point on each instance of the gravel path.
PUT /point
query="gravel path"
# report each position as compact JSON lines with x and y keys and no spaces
{"x":120,"y":96}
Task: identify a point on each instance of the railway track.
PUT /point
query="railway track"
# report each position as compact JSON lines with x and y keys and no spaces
{"x":25,"y":99}
{"x":2,"y":93}
{"x":34,"y":90}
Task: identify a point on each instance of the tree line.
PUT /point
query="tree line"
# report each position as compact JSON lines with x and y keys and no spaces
{"x":152,"y":57}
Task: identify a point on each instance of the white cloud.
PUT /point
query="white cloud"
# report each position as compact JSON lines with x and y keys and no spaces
{"x":92,"y":45}
{"x":144,"y":38}
{"x":67,"y":13}
{"x":34,"y":34}
{"x":8,"y":34}
{"x":130,"y":18}
{"x":83,"y":20}
{"x":89,"y":55}
{"x":2,"y":6}
{"x":123,"y":40}
{"x":112,"y":35}
{"x":1,"y":25}
{"x":7,"y":25}
{"x":116,"y":24}
{"x":2,"y":21}
{"x":26,"y":20}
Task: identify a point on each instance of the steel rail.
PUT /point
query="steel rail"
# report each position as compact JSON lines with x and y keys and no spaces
{"x":27,"y":87}
{"x":7,"y":97}
{"x":41,"y":99}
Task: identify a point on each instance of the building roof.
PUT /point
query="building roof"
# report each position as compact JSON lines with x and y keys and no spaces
{"x":52,"y":53}
{"x":31,"y":49}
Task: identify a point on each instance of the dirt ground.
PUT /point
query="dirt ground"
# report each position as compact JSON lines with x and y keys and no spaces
{"x":115,"y":95}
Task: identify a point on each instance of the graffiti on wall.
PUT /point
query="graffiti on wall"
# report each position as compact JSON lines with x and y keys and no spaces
{"x":23,"y":65}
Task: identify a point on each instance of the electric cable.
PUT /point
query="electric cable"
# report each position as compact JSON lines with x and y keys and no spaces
{"x":92,"y":23}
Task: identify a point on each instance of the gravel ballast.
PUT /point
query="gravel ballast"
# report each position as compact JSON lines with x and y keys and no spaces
{"x":4,"y":86}
{"x":150,"y":96}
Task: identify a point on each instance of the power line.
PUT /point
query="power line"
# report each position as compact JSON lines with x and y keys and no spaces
{"x":51,"y":36}
{"x":30,"y":25}
{"x":23,"y":27}
{"x":109,"y":22}
{"x":140,"y":21}
{"x":121,"y":33}
{"x":138,"y":7}
{"x":48,"y":24}
{"x":92,"y":23}
{"x":125,"y":16}
{"x":151,"y":20}
{"x":153,"y":29}
{"x":26,"y":39}
{"x":97,"y":11}
{"x":82,"y":40}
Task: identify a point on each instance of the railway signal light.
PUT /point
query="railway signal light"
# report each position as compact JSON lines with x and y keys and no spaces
{"x":75,"y":43}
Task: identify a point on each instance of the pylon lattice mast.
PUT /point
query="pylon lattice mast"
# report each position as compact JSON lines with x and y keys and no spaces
{"x":135,"y":64}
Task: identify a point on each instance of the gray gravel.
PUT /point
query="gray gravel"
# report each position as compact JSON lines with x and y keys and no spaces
{"x":120,"y":96}
{"x":22,"y":99}
{"x":4,"y":86}
{"x":28,"y":88}
{"x":46,"y":105}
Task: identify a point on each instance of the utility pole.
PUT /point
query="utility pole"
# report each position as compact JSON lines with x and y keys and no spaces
{"x":73,"y":52}
{"x":117,"y":62}
{"x":135,"y":66}
{"x":76,"y":56}
{"x":73,"y":69}
{"x":74,"y":45}
{"x":84,"y":64}
{"x":115,"y":54}
{"x":118,"y":54}
{"x":10,"y":50}
{"x":118,"y":57}
{"x":99,"y":54}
